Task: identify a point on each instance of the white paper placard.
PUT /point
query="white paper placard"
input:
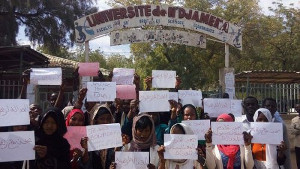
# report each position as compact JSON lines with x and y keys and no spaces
{"x":163,"y":79}
{"x":180,"y":146}
{"x":215,"y":107}
{"x":131,"y":160}
{"x":199,"y":127}
{"x":266,"y":133}
{"x":104,"y":136}
{"x":229,"y":79}
{"x":46,"y":76}
{"x":173,"y":96}
{"x":154,"y":101}
{"x":14,"y":112}
{"x":17,"y":146}
{"x":101,"y":91}
{"x":190,"y":97}
{"x":231,"y":92}
{"x":123,"y":76}
{"x":227,"y":133}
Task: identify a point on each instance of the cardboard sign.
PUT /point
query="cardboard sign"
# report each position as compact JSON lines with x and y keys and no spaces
{"x":74,"y":135}
{"x":163,"y":79}
{"x":126,"y":92}
{"x":88,"y":69}
{"x":227,"y":133}
{"x":199,"y":127}
{"x":180,"y":146}
{"x":17,"y":146}
{"x":46,"y":76}
{"x":104,"y":136}
{"x":190,"y":97}
{"x":132,"y":160}
{"x":266,"y":133}
{"x":154,"y":101}
{"x":215,"y":107}
{"x":123,"y":76}
{"x":173,"y":96}
{"x":14,"y":112}
{"x":101,"y":91}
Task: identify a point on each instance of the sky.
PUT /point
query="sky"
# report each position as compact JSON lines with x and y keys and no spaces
{"x":103,"y":43}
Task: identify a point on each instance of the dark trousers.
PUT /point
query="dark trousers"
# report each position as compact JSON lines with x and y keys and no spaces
{"x":297,"y":151}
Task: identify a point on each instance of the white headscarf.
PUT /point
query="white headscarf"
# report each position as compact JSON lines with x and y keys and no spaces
{"x":264,"y":111}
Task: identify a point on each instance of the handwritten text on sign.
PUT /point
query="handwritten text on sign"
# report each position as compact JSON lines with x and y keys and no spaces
{"x":46,"y":76}
{"x":123,"y":76}
{"x":214,"y":107}
{"x":104,"y":136}
{"x":126,"y":92}
{"x":14,"y":112}
{"x":88,"y":69}
{"x":190,"y":97}
{"x":180,"y":146}
{"x":266,"y":133}
{"x":101,"y":91}
{"x":154,"y":101}
{"x":132,"y":160}
{"x":17,"y":146}
{"x":163,"y":79}
{"x":199,"y":127}
{"x":74,"y":135}
{"x":227,"y":133}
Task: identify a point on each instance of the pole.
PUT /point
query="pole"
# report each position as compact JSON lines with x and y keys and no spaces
{"x":86,"y":51}
{"x":226,"y":55}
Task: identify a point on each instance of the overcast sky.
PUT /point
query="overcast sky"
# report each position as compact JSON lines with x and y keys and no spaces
{"x":103,"y":43}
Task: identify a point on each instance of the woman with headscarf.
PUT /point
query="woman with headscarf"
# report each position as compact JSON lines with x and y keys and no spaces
{"x":178,"y":128}
{"x":228,"y":156}
{"x":267,"y":156}
{"x":52,"y":148}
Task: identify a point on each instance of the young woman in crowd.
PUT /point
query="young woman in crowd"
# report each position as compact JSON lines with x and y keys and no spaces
{"x":52,"y":148}
{"x":228,"y":156}
{"x":178,"y":128}
{"x":267,"y":155}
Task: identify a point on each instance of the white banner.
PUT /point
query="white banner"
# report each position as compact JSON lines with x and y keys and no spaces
{"x":190,"y":97}
{"x":123,"y":76}
{"x":266,"y":133}
{"x":158,"y":36}
{"x":17,"y":146}
{"x":14,"y":112}
{"x":199,"y":127}
{"x":46,"y":76}
{"x":163,"y":79}
{"x":154,"y":101}
{"x":215,"y":107}
{"x":227,"y":133}
{"x":103,"y":22}
{"x":131,"y":160}
{"x":101,"y":91}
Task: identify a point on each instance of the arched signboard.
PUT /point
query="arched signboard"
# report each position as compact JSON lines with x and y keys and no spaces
{"x":158,"y":36}
{"x":104,"y":22}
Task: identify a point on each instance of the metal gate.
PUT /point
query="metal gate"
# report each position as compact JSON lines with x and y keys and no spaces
{"x":10,"y":89}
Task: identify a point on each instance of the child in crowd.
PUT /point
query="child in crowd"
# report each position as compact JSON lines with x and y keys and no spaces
{"x":52,"y":148}
{"x":178,"y":128}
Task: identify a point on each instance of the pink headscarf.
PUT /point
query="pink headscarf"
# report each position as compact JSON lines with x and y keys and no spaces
{"x":71,"y":114}
{"x":225,"y":117}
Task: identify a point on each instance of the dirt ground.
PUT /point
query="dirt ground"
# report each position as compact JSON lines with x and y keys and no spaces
{"x":287,"y":119}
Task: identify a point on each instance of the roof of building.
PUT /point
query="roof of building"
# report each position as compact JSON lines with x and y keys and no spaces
{"x":268,"y":76}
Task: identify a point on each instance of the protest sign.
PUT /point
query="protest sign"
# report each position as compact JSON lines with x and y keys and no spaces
{"x":132,"y":160}
{"x":154,"y":101}
{"x":215,"y":107}
{"x":227,"y":133}
{"x":17,"y":146}
{"x":163,"y":79}
{"x":104,"y":136}
{"x":88,"y":69}
{"x":199,"y":127}
{"x":123,"y":76}
{"x":74,"y":135}
{"x":180,"y":146}
{"x":266,"y":133}
{"x":173,"y":96}
{"x":190,"y":97}
{"x":14,"y":112}
{"x":101,"y":91}
{"x":46,"y":76}
{"x":126,"y":92}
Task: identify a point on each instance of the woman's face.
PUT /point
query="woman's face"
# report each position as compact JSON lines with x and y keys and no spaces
{"x":221,"y":120}
{"x":189,"y":114}
{"x":261,"y":118}
{"x":125,"y":139}
{"x":49,"y":126}
{"x":76,"y":120}
{"x":143,"y":134}
{"x":104,"y":119}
